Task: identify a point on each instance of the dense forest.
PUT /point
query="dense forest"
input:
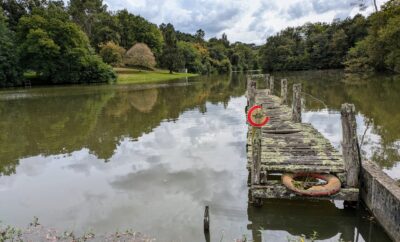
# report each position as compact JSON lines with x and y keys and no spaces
{"x":80,"y":42}
{"x":358,"y":44}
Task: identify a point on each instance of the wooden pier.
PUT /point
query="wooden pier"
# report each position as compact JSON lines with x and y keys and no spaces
{"x":285,"y":145}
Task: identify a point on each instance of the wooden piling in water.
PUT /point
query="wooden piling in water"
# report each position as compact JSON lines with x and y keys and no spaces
{"x":271,"y":85}
{"x":350,"y":151}
{"x":206,"y":220}
{"x":284,"y":91}
{"x":256,"y":155}
{"x":266,"y":79}
{"x":296,"y":106}
{"x":252,"y":92}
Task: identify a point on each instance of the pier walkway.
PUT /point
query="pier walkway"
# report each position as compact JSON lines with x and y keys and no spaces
{"x":287,"y":146}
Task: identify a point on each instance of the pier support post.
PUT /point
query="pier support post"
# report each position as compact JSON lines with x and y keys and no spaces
{"x":206,"y":220}
{"x":296,"y":106}
{"x":350,"y":151}
{"x":251,"y":92}
{"x":284,"y":91}
{"x":248,"y":83}
{"x":266,"y":79}
{"x":256,"y":166}
{"x":271,"y":85}
{"x":256,"y":156}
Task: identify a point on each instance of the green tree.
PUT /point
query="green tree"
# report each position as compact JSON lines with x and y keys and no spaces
{"x":15,"y":9}
{"x":134,"y":29}
{"x":313,"y":45}
{"x":243,"y":57}
{"x":57,"y":50}
{"x":380,"y":48}
{"x":105,"y":29}
{"x":171,"y":58}
{"x":192,"y":57}
{"x":10,"y":73}
{"x":111,"y":53}
{"x":225,"y":41}
{"x":200,"y":34}
{"x":85,"y":13}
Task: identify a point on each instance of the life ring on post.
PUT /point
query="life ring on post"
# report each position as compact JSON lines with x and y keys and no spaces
{"x":331,"y":187}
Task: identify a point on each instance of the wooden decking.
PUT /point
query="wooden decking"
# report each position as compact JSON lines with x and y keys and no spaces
{"x":286,"y":146}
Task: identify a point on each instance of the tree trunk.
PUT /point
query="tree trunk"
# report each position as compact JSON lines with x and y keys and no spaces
{"x":376,"y":6}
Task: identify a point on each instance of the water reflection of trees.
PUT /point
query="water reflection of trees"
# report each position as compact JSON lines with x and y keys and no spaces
{"x":376,"y":97}
{"x":59,"y":124}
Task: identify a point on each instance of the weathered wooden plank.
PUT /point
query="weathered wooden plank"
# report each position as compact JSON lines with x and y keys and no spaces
{"x":302,"y":168}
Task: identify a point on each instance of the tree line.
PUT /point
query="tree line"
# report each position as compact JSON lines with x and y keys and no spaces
{"x":358,"y":44}
{"x":81,"y":41}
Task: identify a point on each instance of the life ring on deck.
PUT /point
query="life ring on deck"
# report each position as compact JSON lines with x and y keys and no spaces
{"x":331,"y":187}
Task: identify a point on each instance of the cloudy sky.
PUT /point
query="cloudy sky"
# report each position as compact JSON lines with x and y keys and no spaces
{"x":250,"y":21}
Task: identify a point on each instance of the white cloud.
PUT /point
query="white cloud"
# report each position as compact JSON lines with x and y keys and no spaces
{"x":247,"y":21}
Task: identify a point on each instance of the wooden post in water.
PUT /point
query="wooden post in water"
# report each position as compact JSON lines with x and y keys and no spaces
{"x":266,"y":79}
{"x":256,"y":166}
{"x":248,"y":78}
{"x":256,"y":155}
{"x":256,"y":151}
{"x":284,"y":91}
{"x":206,"y":220}
{"x":251,"y":92}
{"x":271,"y":85}
{"x":351,"y":155}
{"x":296,"y":106}
{"x":253,"y":88}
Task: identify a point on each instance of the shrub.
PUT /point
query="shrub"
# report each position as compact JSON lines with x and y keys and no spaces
{"x":140,"y":55}
{"x":112,"y":53}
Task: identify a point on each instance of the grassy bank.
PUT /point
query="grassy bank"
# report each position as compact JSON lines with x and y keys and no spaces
{"x":128,"y":75}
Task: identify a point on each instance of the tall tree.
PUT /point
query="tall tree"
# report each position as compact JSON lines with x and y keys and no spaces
{"x":10,"y":73}
{"x":225,"y":40}
{"x":85,"y":13}
{"x":134,"y":29}
{"x":171,"y":57}
{"x":200,"y":34}
{"x":15,"y":9}
{"x":105,"y":29}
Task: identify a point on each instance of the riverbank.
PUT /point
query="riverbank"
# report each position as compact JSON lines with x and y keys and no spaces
{"x":133,"y":76}
{"x":36,"y":232}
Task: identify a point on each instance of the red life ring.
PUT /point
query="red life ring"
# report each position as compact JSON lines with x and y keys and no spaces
{"x":250,"y":119}
{"x":331,"y":187}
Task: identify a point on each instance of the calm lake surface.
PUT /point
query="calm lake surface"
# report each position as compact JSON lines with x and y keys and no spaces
{"x":151,"y":157}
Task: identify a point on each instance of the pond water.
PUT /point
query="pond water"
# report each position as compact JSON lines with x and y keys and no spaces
{"x":151,"y":157}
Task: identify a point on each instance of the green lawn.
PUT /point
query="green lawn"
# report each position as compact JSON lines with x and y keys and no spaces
{"x":128,"y":75}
